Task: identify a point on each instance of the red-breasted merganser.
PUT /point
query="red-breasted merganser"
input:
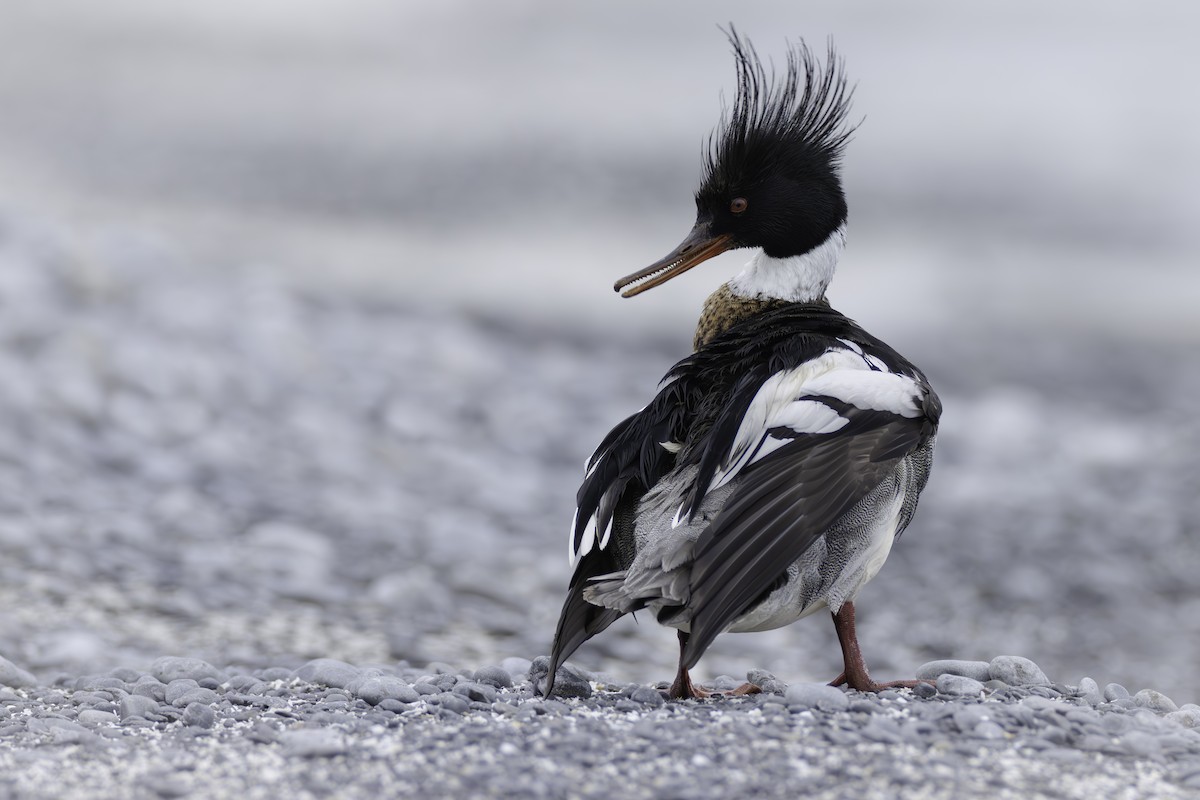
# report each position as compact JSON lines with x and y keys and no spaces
{"x":779,"y":462}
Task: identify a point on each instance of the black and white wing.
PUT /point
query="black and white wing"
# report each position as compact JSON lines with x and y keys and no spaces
{"x":812,"y":443}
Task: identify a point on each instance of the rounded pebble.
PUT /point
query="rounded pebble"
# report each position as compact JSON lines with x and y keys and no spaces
{"x":1155,"y":701}
{"x":959,"y":685}
{"x":647,"y":696}
{"x":569,"y":682}
{"x":328,"y":672}
{"x":816,"y":695}
{"x":15,"y":677}
{"x":1017,"y":671}
{"x":170,"y":668}
{"x":312,"y":742}
{"x":496,"y":676}
{"x":932,"y":670}
{"x":199,"y":715}
{"x":136,"y":705}
{"x":1115,"y":691}
{"x":385,"y":687}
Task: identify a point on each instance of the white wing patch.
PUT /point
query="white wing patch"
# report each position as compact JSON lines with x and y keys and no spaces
{"x":783,"y":401}
{"x":787,"y":400}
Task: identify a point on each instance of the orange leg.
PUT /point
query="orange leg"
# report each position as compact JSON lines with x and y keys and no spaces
{"x":855,"y":673}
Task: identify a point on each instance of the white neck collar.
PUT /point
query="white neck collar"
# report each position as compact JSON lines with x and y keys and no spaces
{"x":797,"y":279}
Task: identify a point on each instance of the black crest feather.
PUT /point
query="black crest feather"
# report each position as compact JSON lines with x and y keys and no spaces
{"x":799,"y":120}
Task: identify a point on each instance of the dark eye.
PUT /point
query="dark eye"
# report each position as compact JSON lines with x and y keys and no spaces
{"x":738,"y":205}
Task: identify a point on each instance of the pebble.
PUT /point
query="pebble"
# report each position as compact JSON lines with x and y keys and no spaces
{"x":765,"y":681}
{"x":516,"y":667}
{"x":647,"y":696}
{"x":1017,"y":671}
{"x":816,"y":695}
{"x":1115,"y":691}
{"x":328,"y":672}
{"x":569,"y":682}
{"x":1155,"y":701}
{"x":93,"y":717}
{"x":13,"y":676}
{"x":195,"y":695}
{"x":199,"y":715}
{"x":932,"y":670}
{"x":136,"y":705}
{"x":479,"y":692}
{"x":312,"y":742}
{"x":385,"y":687}
{"x":959,"y":686}
{"x":1089,"y":690}
{"x":170,"y":668}
{"x":495,"y":676}
{"x":1187,"y":717}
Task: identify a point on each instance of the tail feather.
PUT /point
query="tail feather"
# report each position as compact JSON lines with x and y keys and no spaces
{"x":578,"y":622}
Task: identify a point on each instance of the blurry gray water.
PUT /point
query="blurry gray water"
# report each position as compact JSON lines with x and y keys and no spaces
{"x":1023,"y":201}
{"x":1020,"y":164}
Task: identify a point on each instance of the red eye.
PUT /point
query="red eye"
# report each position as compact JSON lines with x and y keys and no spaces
{"x":738,"y":205}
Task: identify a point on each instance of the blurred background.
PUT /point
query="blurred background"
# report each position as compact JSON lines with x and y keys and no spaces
{"x":306,"y":323}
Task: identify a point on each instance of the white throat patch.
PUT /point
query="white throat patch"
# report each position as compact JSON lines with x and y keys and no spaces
{"x":797,"y":279}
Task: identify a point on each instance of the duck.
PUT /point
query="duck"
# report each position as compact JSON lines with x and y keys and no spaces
{"x":776,"y":465}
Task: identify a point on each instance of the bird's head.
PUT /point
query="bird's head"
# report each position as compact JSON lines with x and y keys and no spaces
{"x":771,"y":173}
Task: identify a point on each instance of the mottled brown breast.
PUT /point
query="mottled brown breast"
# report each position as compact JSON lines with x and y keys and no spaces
{"x":723,"y":309}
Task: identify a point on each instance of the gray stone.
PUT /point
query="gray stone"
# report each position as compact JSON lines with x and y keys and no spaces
{"x":1155,"y":701}
{"x":765,"y":681}
{"x":569,"y":682}
{"x":1115,"y":691}
{"x":516,"y":667}
{"x":932,"y":670}
{"x":1017,"y":671}
{"x":1089,"y":690}
{"x":497,"y":677}
{"x":385,"y":687}
{"x":136,"y":705}
{"x":328,"y":672}
{"x":647,"y":696}
{"x":816,"y":695}
{"x":149,"y":686}
{"x":15,"y":677}
{"x":177,"y":688}
{"x":479,"y":692}
{"x":988,"y":730}
{"x":959,"y":685}
{"x":199,"y":715}
{"x":312,"y":742}
{"x":91,"y":716}
{"x":1187,"y":717}
{"x":170,"y":668}
{"x":196,"y":695}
